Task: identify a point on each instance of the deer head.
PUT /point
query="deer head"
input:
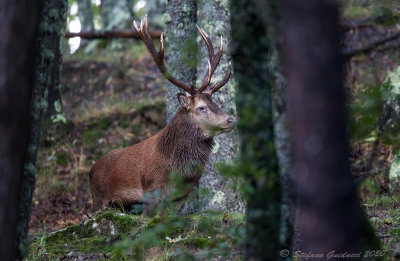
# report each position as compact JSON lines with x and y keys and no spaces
{"x":197,"y":102}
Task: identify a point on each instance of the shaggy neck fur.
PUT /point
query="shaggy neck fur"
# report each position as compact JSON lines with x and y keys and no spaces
{"x":183,"y":143}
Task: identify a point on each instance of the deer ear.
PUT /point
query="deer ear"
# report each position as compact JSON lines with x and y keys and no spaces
{"x":184,"y":100}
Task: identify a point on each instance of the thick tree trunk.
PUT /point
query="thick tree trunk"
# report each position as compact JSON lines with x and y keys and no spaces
{"x":219,"y":193}
{"x":259,"y":163}
{"x":329,"y":217}
{"x":48,"y":62}
{"x":18,"y":23}
{"x":182,"y":49}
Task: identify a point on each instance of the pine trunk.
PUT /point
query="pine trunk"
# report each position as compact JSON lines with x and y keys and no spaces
{"x":116,"y":14}
{"x":18,"y":25}
{"x":214,"y":191}
{"x":48,"y":62}
{"x":273,"y":22}
{"x":329,"y":215}
{"x":85,"y":14}
{"x":182,"y":48}
{"x":259,"y":163}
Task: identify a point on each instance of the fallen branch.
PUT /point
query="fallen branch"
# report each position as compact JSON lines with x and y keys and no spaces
{"x":365,"y":22}
{"x":110,"y":34}
{"x":370,"y":46}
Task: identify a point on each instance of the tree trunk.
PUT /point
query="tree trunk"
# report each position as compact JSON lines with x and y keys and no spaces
{"x":156,"y":10}
{"x":18,"y":24}
{"x":214,"y":191}
{"x":48,"y":62}
{"x":329,"y":217}
{"x":116,"y":14}
{"x":273,"y":22}
{"x":258,"y":159}
{"x":85,"y":14}
{"x":182,"y":48}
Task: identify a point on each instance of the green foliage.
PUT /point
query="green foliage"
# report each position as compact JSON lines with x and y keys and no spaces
{"x":365,"y":111}
{"x":369,"y":8}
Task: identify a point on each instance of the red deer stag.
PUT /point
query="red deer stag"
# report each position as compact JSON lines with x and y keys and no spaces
{"x":125,"y":176}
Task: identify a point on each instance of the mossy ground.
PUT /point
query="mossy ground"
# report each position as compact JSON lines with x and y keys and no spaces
{"x":122,"y":236}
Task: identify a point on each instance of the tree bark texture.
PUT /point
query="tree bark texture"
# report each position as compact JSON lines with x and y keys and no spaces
{"x":220,"y":193}
{"x":182,"y":48}
{"x":18,"y":24}
{"x":329,"y":217}
{"x":47,"y":63}
{"x":259,"y":164}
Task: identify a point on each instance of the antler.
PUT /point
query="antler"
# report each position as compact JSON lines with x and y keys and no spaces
{"x":213,"y":63}
{"x":158,"y":57}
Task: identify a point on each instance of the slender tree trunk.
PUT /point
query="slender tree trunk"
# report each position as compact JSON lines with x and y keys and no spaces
{"x":329,"y":216}
{"x":48,"y":62}
{"x":259,"y":163}
{"x":182,"y":48}
{"x":18,"y":24}
{"x":273,"y":22}
{"x":116,"y":14}
{"x":85,"y":14}
{"x":156,"y":10}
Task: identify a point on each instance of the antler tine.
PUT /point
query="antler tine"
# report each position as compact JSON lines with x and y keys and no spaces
{"x":158,"y":57}
{"x":218,"y":86}
{"x":213,"y":59}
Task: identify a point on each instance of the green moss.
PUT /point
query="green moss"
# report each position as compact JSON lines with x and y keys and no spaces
{"x":90,"y":136}
{"x":197,"y":242}
{"x":123,"y":222}
{"x":134,"y":235}
{"x":152,"y":222}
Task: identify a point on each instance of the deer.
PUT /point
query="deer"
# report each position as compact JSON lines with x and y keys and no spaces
{"x":124,"y":177}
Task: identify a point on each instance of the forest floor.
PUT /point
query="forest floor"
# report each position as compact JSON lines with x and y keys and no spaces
{"x":115,"y":102}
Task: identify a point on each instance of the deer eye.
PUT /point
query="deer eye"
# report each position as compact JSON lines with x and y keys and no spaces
{"x":202,"y":109}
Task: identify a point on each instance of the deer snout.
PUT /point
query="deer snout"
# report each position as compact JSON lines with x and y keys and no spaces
{"x":230,"y":121}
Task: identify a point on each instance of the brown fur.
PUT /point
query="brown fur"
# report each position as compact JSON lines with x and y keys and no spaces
{"x":123,"y":176}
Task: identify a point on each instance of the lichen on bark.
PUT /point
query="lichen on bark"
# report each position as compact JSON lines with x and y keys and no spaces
{"x":221,"y":193}
{"x":48,"y":61}
{"x":181,"y":48}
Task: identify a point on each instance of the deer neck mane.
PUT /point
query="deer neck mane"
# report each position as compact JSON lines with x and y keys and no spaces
{"x":183,"y":144}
